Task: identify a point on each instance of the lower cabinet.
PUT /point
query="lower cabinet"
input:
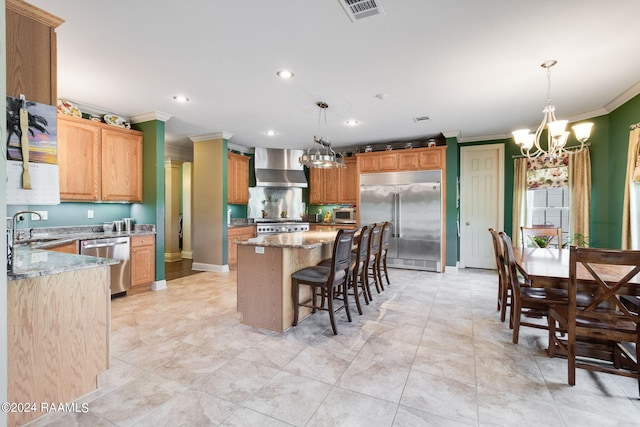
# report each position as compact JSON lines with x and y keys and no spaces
{"x":238,"y":233}
{"x":143,"y":255}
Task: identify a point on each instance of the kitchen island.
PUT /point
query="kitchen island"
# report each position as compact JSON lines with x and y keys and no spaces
{"x":58,"y":318}
{"x":265,"y":265}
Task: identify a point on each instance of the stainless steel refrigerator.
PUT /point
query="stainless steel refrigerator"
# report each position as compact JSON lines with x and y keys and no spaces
{"x":413,"y":201}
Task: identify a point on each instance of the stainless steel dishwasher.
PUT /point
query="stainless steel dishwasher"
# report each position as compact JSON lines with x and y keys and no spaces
{"x":116,"y":248}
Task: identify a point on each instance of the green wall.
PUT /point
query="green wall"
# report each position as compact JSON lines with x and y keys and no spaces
{"x":151,"y":211}
{"x":608,"y":145}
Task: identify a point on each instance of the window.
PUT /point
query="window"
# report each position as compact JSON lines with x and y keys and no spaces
{"x":549,"y":207}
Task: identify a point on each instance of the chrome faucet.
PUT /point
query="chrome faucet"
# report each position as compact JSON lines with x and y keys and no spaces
{"x":15,"y":236}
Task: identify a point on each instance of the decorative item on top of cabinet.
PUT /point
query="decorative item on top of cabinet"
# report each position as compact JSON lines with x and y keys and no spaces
{"x":237,"y":179}
{"x":31,"y":52}
{"x":233,"y":235}
{"x":98,"y":162}
{"x":143,"y":260}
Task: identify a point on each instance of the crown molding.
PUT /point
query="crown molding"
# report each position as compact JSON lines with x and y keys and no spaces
{"x":152,"y":115}
{"x":240,"y":148}
{"x":622,"y":98}
{"x":211,"y":136}
{"x":451,"y":134}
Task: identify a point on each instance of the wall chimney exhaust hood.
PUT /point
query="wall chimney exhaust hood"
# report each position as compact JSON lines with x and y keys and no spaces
{"x":279,"y":168}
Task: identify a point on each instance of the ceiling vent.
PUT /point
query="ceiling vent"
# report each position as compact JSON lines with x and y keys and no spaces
{"x":359,"y":9}
{"x":421,"y":119}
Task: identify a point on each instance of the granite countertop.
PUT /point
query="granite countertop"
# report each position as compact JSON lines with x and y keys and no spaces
{"x":45,"y":238}
{"x":29,"y":262}
{"x":32,"y":260}
{"x":301,"y":240}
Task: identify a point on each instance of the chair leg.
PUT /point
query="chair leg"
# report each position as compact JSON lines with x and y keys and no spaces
{"x":345,"y":299}
{"x":330,"y":306}
{"x":571,"y":358}
{"x":356,"y":292}
{"x":378,"y":269}
{"x":361,"y":282}
{"x":504,"y":297}
{"x":365,"y":283}
{"x":515,"y":314}
{"x":386,"y":273}
{"x":296,"y":300}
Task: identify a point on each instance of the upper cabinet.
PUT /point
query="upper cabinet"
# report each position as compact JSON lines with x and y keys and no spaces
{"x":98,"y":162}
{"x":237,"y":179}
{"x":31,"y":52}
{"x":403,"y":160}
{"x":334,"y":186}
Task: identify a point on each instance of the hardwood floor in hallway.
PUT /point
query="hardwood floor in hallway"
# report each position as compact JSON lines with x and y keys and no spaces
{"x":177,"y":269}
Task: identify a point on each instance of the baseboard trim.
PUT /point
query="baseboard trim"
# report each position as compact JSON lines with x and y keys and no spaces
{"x":200,"y":266}
{"x":159,"y":285}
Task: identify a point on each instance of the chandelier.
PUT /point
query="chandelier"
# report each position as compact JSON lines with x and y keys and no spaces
{"x":322,"y":155}
{"x":557,"y":135}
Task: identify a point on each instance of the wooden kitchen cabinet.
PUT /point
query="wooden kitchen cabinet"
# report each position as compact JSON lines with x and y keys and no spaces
{"x":31,"y":52}
{"x":79,"y":164}
{"x":121,"y":165}
{"x":426,"y":158}
{"x":333,"y":185}
{"x":238,"y":179}
{"x":143,"y":256}
{"x":98,"y":162}
{"x":234,"y":234}
{"x":349,"y":182}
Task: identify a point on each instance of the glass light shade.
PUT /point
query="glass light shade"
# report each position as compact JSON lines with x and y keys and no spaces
{"x":582,"y":131}
{"x":520,"y":136}
{"x":557,"y":128}
{"x":528,"y":141}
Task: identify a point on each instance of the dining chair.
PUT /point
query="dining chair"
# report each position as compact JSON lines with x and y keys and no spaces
{"x":327,"y":282}
{"x":526,"y":299}
{"x":540,"y":237}
{"x":607,"y":318}
{"x":504,"y":294}
{"x":381,"y":260}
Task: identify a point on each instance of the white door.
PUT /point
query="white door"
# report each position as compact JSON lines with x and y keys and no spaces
{"x":481,"y":203}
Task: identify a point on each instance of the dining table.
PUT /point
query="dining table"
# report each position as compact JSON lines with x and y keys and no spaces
{"x":549,"y":268}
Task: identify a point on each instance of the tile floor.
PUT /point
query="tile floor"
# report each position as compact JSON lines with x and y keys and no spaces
{"x":429,"y":351}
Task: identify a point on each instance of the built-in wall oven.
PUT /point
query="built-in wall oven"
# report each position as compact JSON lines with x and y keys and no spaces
{"x":116,"y":248}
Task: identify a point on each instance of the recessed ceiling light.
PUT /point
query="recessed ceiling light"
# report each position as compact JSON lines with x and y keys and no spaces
{"x":285,"y":74}
{"x":270,"y":132}
{"x":181,"y":98}
{"x":351,"y":123}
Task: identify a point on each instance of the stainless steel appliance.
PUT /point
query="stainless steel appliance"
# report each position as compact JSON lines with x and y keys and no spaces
{"x":344,"y":215}
{"x":278,"y":227}
{"x":116,"y":248}
{"x":315,"y":218}
{"x":279,"y":168}
{"x":413,"y":201}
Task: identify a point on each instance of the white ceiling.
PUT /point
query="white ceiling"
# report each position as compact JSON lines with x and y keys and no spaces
{"x":472,"y":66}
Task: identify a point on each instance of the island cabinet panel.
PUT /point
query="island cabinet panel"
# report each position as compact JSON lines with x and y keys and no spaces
{"x":79,"y":159}
{"x":264,"y":284}
{"x":58,"y":337}
{"x":143,"y":256}
{"x":238,"y":179}
{"x":98,"y":162}
{"x":121,"y":165}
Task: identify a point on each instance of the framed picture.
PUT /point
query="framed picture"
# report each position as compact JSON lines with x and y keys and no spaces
{"x":42,"y":131}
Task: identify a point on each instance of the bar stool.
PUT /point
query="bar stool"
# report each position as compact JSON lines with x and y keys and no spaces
{"x":327,"y":282}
